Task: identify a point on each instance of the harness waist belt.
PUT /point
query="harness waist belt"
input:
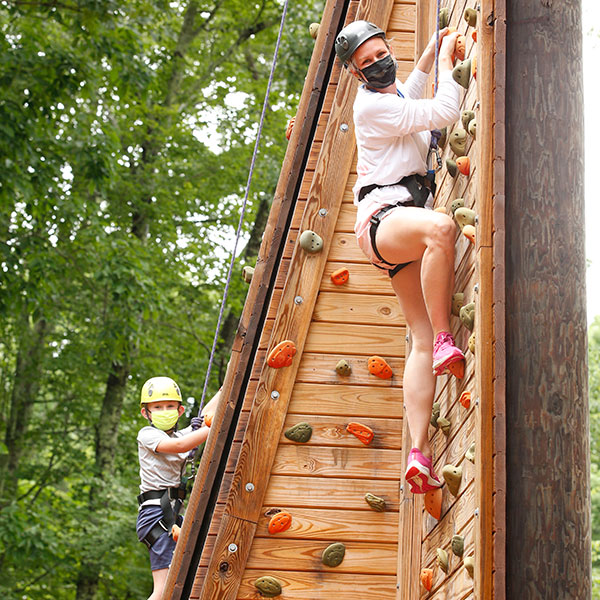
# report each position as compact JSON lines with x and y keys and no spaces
{"x":174,"y":493}
{"x":418,"y":186}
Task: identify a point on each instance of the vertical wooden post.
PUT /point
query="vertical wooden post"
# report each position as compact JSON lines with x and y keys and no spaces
{"x":548,"y":489}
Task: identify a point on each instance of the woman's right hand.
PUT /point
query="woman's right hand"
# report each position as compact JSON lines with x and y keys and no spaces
{"x":448,"y":44}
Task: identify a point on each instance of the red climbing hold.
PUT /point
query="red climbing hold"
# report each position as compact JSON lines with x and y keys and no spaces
{"x":380,"y":368}
{"x":279,"y":522}
{"x":465,"y":399}
{"x":433,"y":503}
{"x":464,"y":165}
{"x":340,"y":276}
{"x":427,"y":578}
{"x":282,"y":355}
{"x":362,"y":432}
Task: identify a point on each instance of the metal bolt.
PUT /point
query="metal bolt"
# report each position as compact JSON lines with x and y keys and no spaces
{"x":249,"y":487}
{"x":476,"y":401}
{"x":476,"y":288}
{"x":344,"y":127}
{"x":232,"y":548}
{"x":274,"y":394}
{"x":323,"y":212}
{"x":476,"y":219}
{"x":298,"y":300}
{"x":476,"y":512}
{"x":477,"y":105}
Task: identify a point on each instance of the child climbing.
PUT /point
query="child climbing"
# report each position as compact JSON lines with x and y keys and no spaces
{"x":163,"y":453}
{"x":415,"y":246}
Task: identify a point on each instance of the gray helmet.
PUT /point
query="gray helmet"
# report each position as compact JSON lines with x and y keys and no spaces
{"x":352,"y":36}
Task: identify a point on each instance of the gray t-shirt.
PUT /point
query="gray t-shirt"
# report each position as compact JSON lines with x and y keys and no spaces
{"x":158,"y":470}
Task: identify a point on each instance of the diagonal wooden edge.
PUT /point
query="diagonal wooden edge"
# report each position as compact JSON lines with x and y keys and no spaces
{"x":260,"y":442}
{"x":250,"y":325}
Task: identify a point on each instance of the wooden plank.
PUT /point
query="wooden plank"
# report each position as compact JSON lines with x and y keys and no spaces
{"x":363,"y":278}
{"x":358,"y":308}
{"x":402,"y":18}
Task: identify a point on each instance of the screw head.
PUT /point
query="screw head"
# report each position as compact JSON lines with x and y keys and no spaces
{"x":274,"y":394}
{"x":344,"y":127}
{"x":249,"y":487}
{"x":298,"y":300}
{"x":323,"y":212}
{"x":232,"y":548}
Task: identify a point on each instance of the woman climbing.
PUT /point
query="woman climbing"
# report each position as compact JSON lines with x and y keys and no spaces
{"x":393,"y":133}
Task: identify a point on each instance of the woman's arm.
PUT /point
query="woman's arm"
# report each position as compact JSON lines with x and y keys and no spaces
{"x":447,"y":45}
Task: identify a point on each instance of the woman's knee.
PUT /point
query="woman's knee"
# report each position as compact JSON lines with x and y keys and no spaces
{"x":442,"y":231}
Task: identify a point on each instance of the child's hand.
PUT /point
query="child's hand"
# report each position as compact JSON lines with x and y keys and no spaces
{"x":197,"y":422}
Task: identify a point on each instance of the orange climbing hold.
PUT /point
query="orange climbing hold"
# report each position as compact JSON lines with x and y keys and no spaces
{"x":427,"y":578}
{"x":175,"y":531}
{"x":474,"y":66}
{"x":474,"y":35}
{"x":433,"y":503}
{"x":279,"y":522}
{"x":362,"y":432}
{"x":460,"y":47}
{"x":465,"y":399}
{"x":290,"y":128}
{"x":379,"y":367}
{"x":457,"y":368}
{"x":464,"y":165}
{"x":340,"y":276}
{"x":282,"y":355}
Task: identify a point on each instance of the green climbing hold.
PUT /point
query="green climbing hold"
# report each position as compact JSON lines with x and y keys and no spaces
{"x":470,"y":16}
{"x":445,"y":425}
{"x":464,"y":216}
{"x":470,"y":453}
{"x":453,"y":477}
{"x":333,"y":555}
{"x":268,"y":586}
{"x":375,"y":502}
{"x":458,"y":301}
{"x":301,"y":433}
{"x":467,"y":315}
{"x":462,"y":73}
{"x":311,"y":242}
{"x":444,"y":137}
{"x":343,"y":368}
{"x":473,"y":129}
{"x":469,"y":563}
{"x":458,"y":142}
{"x":442,"y":560}
{"x":456,"y":204}
{"x":458,"y":545}
{"x":444,"y":17}
{"x":435,"y":414}
{"x":466,"y":117}
{"x":452,"y":167}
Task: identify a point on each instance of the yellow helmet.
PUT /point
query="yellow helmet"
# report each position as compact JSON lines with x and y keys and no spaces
{"x":159,"y":388}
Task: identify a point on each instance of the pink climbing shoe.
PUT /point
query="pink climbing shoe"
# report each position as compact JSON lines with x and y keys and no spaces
{"x":419,"y":473}
{"x":447,"y":358}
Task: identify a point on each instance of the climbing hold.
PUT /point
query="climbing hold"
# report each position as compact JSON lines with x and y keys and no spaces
{"x":268,"y":586}
{"x":280,"y":522}
{"x":457,"y":369}
{"x":433,"y":503}
{"x":464,"y":216}
{"x":290,"y":128}
{"x":247,"y":273}
{"x":453,"y":477}
{"x":313,"y":29}
{"x":466,"y":117}
{"x":469,"y":562}
{"x":343,"y":368}
{"x":375,"y":502}
{"x":464,"y":165}
{"x":333,"y":555}
{"x":462,"y":73}
{"x":379,"y":367}
{"x":458,"y":142}
{"x":473,"y":129}
{"x":340,"y":276}
{"x":456,"y":204}
{"x":440,"y":209}
{"x":444,"y":18}
{"x":282,"y":355}
{"x":467,"y":315}
{"x":442,"y":560}
{"x":443,"y":137}
{"x":470,"y":453}
{"x":465,"y":399}
{"x":469,"y":233}
{"x":175,"y":531}
{"x":470,"y":16}
{"x":427,"y":578}
{"x":362,"y":432}
{"x":460,"y":47}
{"x":474,"y":35}
{"x":458,"y":301}
{"x":452,"y":167}
{"x":471,"y":343}
{"x":435,"y":414}
{"x":474,"y":67}
{"x":311,"y":242}
{"x":458,"y":545}
{"x":301,"y":432}
{"x":445,"y":425}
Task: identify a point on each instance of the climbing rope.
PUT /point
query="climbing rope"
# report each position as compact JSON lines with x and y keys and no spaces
{"x":244,"y":204}
{"x":437,"y":48}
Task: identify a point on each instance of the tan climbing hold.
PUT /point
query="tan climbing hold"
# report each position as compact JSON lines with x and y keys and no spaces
{"x":464,"y":216}
{"x":375,"y":502}
{"x":247,"y":274}
{"x":282,"y":355}
{"x":467,"y":315}
{"x":469,"y":562}
{"x":456,"y":204}
{"x":444,"y":17}
{"x":301,"y":432}
{"x":470,"y":16}
{"x":311,"y":242}
{"x":341,"y":276}
{"x":452,"y":167}
{"x":458,"y":545}
{"x":442,"y":560}
{"x":458,"y":142}
{"x":334,"y":554}
{"x":463,"y":164}
{"x":458,"y":301}
{"x":444,"y":424}
{"x":462,"y":73}
{"x":433,"y":503}
{"x":473,"y":129}
{"x":470,"y":453}
{"x":378,"y":366}
{"x":441,"y":209}
{"x":452,"y":476}
{"x":343,"y":368}
{"x":435,"y":414}
{"x":466,"y":117}
{"x":469,"y":233}
{"x":471,"y":343}
{"x":268,"y":586}
{"x":465,"y":399}
{"x":362,"y":432}
{"x":427,"y":578}
{"x":313,"y":29}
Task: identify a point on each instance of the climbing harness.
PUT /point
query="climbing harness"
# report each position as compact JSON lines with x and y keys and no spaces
{"x":171,"y":501}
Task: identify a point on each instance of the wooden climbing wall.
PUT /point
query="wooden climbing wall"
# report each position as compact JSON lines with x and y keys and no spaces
{"x":322,"y":483}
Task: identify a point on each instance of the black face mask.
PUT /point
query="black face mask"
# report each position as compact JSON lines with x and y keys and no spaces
{"x":380,"y":74}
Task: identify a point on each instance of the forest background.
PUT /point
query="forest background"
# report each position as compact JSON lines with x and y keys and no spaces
{"x":126,"y":134}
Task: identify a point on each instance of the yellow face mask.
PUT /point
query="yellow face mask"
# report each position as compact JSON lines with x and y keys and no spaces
{"x":164,"y":419}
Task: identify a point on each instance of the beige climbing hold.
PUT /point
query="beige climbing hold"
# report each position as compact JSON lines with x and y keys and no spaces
{"x":471,"y":343}
{"x":464,"y":216}
{"x":458,"y":142}
{"x":458,"y":545}
{"x":343,"y":368}
{"x":462,"y":73}
{"x":435,"y":414}
{"x":440,"y":209}
{"x":466,"y":117}
{"x":247,"y":273}
{"x":452,"y":476}
{"x":268,"y":586}
{"x":445,"y":425}
{"x":458,"y":301}
{"x":311,"y":242}
{"x":442,"y":560}
{"x":301,"y":432}
{"x":313,"y":29}
{"x":470,"y":16}
{"x":333,"y":555}
{"x":473,"y":129}
{"x":469,"y":233}
{"x":469,"y":562}
{"x":467,"y":315}
{"x":452,"y":167}
{"x":470,"y":453}
{"x":444,"y":17}
{"x":456,"y":204}
{"x":375,"y":502}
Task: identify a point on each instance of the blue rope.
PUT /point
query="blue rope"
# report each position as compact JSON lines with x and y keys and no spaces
{"x":437,"y":48}
{"x":244,"y":204}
